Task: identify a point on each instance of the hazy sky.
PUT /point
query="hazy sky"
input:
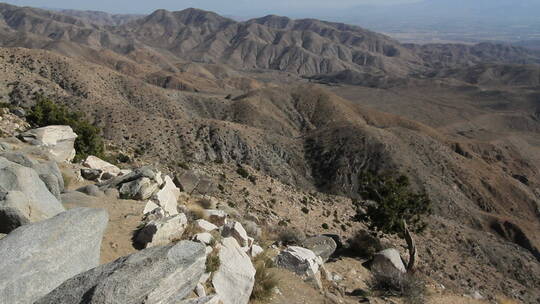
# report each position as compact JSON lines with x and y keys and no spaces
{"x":222,"y":6}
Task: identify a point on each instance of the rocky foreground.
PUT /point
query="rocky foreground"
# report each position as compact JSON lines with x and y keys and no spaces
{"x":181,"y":251}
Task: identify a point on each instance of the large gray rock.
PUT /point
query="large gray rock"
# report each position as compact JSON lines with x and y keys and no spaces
{"x":37,"y":258}
{"x":21,"y":189}
{"x":157,"y":275}
{"x":187,"y":181}
{"x":301,"y":261}
{"x":388,"y":263}
{"x":58,"y":141}
{"x":321,"y":245}
{"x":234,"y":279}
{"x":49,"y":172}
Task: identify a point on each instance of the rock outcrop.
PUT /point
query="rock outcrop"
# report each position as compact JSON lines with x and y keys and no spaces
{"x":58,"y":141}
{"x":156,"y":275}
{"x":37,"y":258}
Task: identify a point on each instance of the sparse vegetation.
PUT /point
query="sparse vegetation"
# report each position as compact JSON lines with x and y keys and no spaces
{"x":89,"y":140}
{"x":265,"y":280}
{"x":212,"y":261}
{"x":408,"y":286}
{"x":305,"y":210}
{"x":242,"y":172}
{"x":325,"y":226}
{"x":290,"y":236}
{"x":397,"y":209}
{"x":365,"y":244}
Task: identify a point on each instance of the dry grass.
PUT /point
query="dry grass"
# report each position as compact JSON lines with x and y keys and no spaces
{"x":212,"y":261}
{"x":265,"y":280}
{"x":196,"y":212}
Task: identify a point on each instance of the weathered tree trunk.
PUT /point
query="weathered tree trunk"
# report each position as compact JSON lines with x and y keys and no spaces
{"x":411,"y":247}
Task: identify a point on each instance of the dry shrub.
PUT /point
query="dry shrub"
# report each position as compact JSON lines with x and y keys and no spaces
{"x":265,"y":280}
{"x":364,"y":244}
{"x":195,"y":212}
{"x":206,"y":203}
{"x":212,"y":261}
{"x":291,"y":236}
{"x":408,"y":286}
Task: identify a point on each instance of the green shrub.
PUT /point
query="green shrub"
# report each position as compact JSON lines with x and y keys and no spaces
{"x":305,"y":210}
{"x":89,"y":140}
{"x":325,"y":226}
{"x":242,"y":172}
{"x":395,"y":203}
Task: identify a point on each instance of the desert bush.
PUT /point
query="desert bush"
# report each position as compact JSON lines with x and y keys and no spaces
{"x":195,"y":212}
{"x":206,"y":203}
{"x":89,"y":140}
{"x":365,"y":244}
{"x":242,"y":172}
{"x":212,"y":261}
{"x":291,"y":236}
{"x":409,"y":286}
{"x":395,"y":203}
{"x":265,"y":280}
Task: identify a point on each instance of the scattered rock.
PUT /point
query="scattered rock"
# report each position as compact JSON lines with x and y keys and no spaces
{"x":22,"y":190}
{"x":205,"y":225}
{"x":161,"y":231}
{"x":237,"y":231}
{"x":58,"y":141}
{"x":321,"y":245}
{"x":91,"y":174}
{"x":140,"y":189}
{"x":96,"y":163}
{"x":155,"y":275}
{"x":234,"y":279}
{"x":216,"y":217}
{"x":91,"y":190}
{"x":38,"y":257}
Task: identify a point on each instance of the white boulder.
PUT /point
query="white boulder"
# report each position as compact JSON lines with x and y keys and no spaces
{"x":167,"y":197}
{"x":161,"y":231}
{"x":233,"y":281}
{"x":58,"y":141}
{"x":205,"y":238}
{"x":93,"y":162}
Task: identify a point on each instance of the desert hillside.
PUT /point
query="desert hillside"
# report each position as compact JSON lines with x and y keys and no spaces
{"x":281,"y":118}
